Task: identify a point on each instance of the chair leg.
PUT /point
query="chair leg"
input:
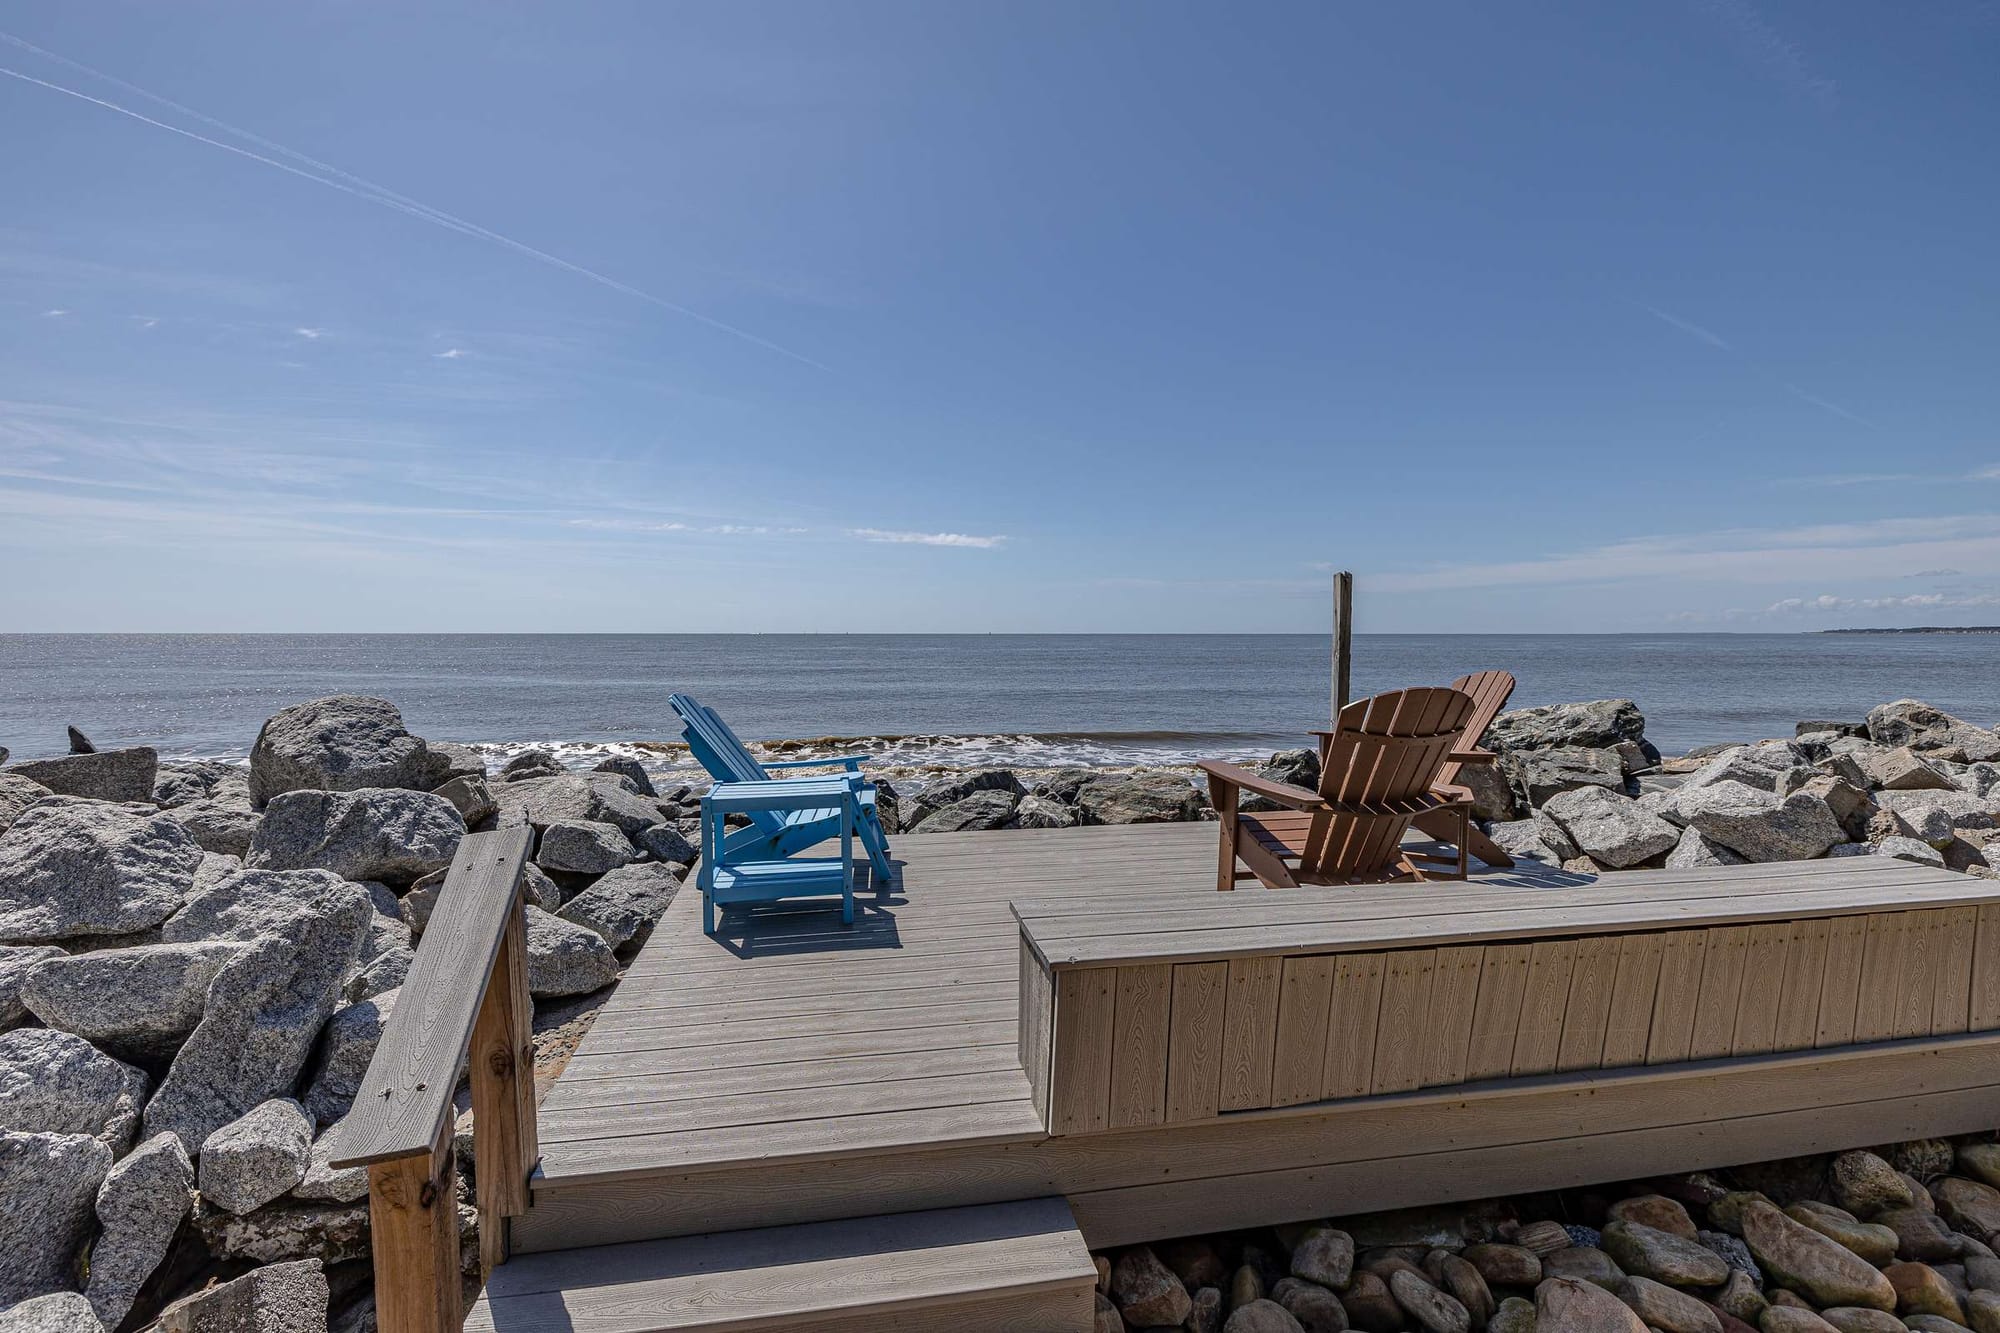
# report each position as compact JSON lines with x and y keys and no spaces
{"x":707,"y":915}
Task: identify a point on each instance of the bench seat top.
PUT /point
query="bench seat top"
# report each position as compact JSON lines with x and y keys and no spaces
{"x":1102,"y":930}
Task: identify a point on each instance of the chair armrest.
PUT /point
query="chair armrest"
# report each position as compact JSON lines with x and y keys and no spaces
{"x":1282,"y":792}
{"x":852,"y":762}
{"x":1473,"y":756}
{"x":785,"y":794}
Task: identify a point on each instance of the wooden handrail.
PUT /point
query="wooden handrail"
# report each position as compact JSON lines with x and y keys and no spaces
{"x":466,"y":997}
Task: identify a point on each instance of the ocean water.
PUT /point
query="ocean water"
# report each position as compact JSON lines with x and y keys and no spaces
{"x":950,"y":700}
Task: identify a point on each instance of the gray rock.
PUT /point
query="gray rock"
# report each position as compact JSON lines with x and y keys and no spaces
{"x":949,"y":791}
{"x":1773,"y":766}
{"x":1610,"y":829}
{"x":385,"y":934}
{"x":1062,"y":784}
{"x":1903,"y":770}
{"x":16,"y":962}
{"x":57,"y":1312}
{"x":1849,"y":801}
{"x":664,"y":842}
{"x":1916,"y":724}
{"x":71,"y":870}
{"x":1757,"y":825}
{"x":1324,"y":1255}
{"x":449,"y":761}
{"x":1523,"y":837}
{"x":283,"y":1298}
{"x":531,"y":764}
{"x":1433,"y":1310}
{"x":471,"y":797}
{"x":257,"y":1157}
{"x":583,"y":847}
{"x":990,"y":809}
{"x":384,"y":974}
{"x":1041,"y":812}
{"x":1537,"y":775}
{"x":1568,"y":1305}
{"x":1146,"y":1291}
{"x":623,"y":903}
{"x":50,"y":1184}
{"x":1144,"y":797}
{"x":286,"y":1230}
{"x":1598,"y":724}
{"x":56,"y":1083}
{"x":224,"y":825}
{"x":1695,"y":850}
{"x":17,"y":794}
{"x":1815,"y":1266}
{"x":138,"y":1003}
{"x":1909,"y":849}
{"x":604,"y":798}
{"x":263,"y":1012}
{"x":213,"y":870}
{"x":1663,"y":1256}
{"x":565,"y":958}
{"x":327,"y":1183}
{"x":1259,"y":1316}
{"x":345,"y":1048}
{"x":1555,"y":837}
{"x":631,"y":770}
{"x":112,"y":775}
{"x":140,"y":1206}
{"x":538,"y":888}
{"x":375,"y":833}
{"x":341,"y":743}
{"x":1493,"y":796}
{"x":252,"y":903}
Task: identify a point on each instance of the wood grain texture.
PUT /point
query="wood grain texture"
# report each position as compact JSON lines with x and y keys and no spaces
{"x":1404,"y":1020}
{"x":1951,"y":996}
{"x":1839,"y":997}
{"x":1496,"y":1012}
{"x":1984,"y":1004}
{"x":1885,"y":951}
{"x":1629,"y":1023}
{"x":1756,"y":1027}
{"x":1035,"y":1032}
{"x":1587,"y":1013}
{"x":1675,"y":1000}
{"x":1350,"y":1034}
{"x":1194,"y":1040}
{"x":1305,"y":1000}
{"x":1805,"y":978}
{"x":1721,"y":992}
{"x":413,"y":1233}
{"x":406,"y":1094}
{"x":1250,"y":1032}
{"x":1454,"y":993}
{"x":1139,"y":1045}
{"x":1542,"y":1002}
{"x":504,"y":1138}
{"x":1080,"y":1069}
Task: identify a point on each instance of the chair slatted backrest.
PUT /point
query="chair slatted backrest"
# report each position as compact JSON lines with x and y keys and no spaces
{"x":1490,"y":691}
{"x":1377,"y":771}
{"x":715,"y":746}
{"x":717,"y":749}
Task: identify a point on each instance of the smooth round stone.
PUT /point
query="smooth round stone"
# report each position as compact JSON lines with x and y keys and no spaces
{"x":1675,"y":1260}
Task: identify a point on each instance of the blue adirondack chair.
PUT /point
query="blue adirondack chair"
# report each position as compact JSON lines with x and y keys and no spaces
{"x":724,"y":880}
{"x":773,"y":835}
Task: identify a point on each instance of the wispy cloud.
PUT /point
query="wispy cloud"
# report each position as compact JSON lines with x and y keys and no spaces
{"x":310,"y":335}
{"x":145,"y":321}
{"x":926,"y":538}
{"x":451,"y":354}
{"x":54,"y":314}
{"x":346,"y":182}
{"x":1764,"y":46}
{"x":1826,"y":403}
{"x":1916,"y":601}
{"x":676,"y":525}
{"x":1891,"y":478}
{"x":1690,"y":328}
{"x":1868,"y":549}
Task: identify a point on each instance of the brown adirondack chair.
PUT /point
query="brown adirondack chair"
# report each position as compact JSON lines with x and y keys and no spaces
{"x":1378,"y":769}
{"x":1490,"y":691}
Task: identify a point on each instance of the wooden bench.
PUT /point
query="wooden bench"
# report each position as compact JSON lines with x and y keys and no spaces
{"x":1138,"y":1013}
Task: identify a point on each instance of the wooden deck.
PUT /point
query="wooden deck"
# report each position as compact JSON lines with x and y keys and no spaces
{"x":791,"y":1071}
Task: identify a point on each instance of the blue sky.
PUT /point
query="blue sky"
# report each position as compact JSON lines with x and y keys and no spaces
{"x":762,"y":316}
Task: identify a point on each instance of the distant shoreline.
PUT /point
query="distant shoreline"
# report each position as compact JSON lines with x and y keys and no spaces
{"x":1919,"y":629}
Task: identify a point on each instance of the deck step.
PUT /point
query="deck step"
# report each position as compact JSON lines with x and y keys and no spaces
{"x":1020,"y":1267}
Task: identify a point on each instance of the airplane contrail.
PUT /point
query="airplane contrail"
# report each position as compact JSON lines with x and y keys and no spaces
{"x":360,"y":188}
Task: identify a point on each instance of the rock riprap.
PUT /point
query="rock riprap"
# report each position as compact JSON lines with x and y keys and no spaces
{"x":73,"y":870}
{"x":108,"y":775}
{"x":57,"y":1083}
{"x":49,"y":1182}
{"x":373,"y":833}
{"x":258,"y":1157}
{"x":341,"y":743}
{"x":139,"y":1208}
{"x":138,"y":1003}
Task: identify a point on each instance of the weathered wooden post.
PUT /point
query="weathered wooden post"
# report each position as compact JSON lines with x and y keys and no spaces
{"x":504,"y":1138}
{"x":1343,"y":642}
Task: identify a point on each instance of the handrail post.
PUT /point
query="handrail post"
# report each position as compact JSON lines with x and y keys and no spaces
{"x":413,"y":1214}
{"x":504,"y":1138}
